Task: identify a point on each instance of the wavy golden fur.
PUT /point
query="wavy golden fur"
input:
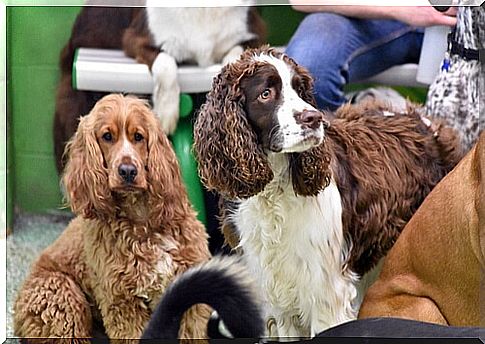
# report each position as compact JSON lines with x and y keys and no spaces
{"x":131,"y":238}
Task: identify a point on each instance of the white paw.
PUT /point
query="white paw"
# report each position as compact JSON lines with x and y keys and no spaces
{"x":232,"y":55}
{"x":166,"y":93}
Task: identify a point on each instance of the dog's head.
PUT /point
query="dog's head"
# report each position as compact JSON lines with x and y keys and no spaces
{"x":263,"y":103}
{"x":118,"y":150}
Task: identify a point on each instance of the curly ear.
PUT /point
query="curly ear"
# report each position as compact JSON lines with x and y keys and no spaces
{"x":85,"y":176}
{"x":310,"y":170}
{"x":230,"y":159}
{"x":167,"y":194}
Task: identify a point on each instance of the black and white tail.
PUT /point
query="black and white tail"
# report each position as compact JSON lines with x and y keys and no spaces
{"x":222,"y":283}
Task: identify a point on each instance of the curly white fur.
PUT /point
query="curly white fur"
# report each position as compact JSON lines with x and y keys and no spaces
{"x":294,"y":247}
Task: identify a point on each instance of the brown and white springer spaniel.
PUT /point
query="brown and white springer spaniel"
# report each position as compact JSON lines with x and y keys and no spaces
{"x":316,"y":198}
{"x":160,"y":37}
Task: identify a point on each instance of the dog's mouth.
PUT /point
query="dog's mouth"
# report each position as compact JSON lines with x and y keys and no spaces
{"x":124,"y":190}
{"x":128,"y":188}
{"x":121,"y":186}
{"x":301,"y":141}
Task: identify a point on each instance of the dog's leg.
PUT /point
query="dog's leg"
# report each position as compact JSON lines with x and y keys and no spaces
{"x":194,"y":322}
{"x":403,"y":306}
{"x":166,"y":95}
{"x":289,"y":329}
{"x":51,"y":304}
{"x":124,"y":318}
{"x":233,"y":54}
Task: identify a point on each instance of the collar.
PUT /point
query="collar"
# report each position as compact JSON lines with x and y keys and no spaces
{"x":459,"y":49}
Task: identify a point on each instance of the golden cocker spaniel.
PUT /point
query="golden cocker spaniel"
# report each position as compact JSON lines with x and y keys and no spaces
{"x":134,"y":233}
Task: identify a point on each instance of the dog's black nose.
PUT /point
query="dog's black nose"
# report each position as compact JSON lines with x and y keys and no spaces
{"x":311,"y":118}
{"x":128,"y":172}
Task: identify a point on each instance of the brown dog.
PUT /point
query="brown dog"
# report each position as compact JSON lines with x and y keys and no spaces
{"x":135,"y":231}
{"x":435,"y":270}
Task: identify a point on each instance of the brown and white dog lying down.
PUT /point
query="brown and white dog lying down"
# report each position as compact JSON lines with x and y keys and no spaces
{"x":315,"y":201}
{"x":435,"y":272}
{"x":160,"y":37}
{"x":135,"y":231}
{"x":225,"y":285}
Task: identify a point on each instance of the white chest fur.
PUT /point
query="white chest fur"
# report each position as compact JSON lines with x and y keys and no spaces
{"x":198,"y":34}
{"x":295,"y":247}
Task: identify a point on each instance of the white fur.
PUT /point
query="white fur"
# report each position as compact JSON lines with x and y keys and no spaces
{"x":203,"y":35}
{"x":294,"y":138}
{"x":127,"y":150}
{"x":200,"y":35}
{"x":232,"y":55}
{"x":426,"y":121}
{"x":166,"y":95}
{"x":295,"y":247}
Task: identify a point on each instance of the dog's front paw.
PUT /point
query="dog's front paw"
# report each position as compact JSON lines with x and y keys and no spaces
{"x":166,"y":93}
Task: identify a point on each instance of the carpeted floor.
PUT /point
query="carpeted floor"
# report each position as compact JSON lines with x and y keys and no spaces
{"x":30,"y":235}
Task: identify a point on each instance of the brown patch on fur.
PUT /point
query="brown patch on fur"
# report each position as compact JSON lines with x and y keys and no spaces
{"x":138,"y":42}
{"x":302,"y":81}
{"x":230,"y":159}
{"x":118,"y":256}
{"x":310,"y":172}
{"x":384,"y":168}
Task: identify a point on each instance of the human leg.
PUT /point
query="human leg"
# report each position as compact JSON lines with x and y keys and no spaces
{"x":337,"y":50}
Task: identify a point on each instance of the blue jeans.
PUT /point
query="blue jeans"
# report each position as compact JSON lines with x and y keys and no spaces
{"x":338,"y":50}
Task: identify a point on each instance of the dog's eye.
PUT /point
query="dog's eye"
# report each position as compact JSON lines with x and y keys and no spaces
{"x":107,"y":137}
{"x":265,"y":94}
{"x":138,"y":137}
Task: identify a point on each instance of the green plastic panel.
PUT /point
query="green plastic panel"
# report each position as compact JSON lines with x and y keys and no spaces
{"x":35,"y":37}
{"x":182,"y":141}
{"x":186,"y":105}
{"x":281,"y":23}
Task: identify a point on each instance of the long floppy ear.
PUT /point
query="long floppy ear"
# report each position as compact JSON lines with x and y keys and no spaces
{"x":229,"y":157}
{"x":302,"y":82}
{"x":167,"y":195}
{"x":310,"y":170}
{"x":85,"y":176}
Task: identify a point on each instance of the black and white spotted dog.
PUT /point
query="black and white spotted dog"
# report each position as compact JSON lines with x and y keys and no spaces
{"x":458,"y":92}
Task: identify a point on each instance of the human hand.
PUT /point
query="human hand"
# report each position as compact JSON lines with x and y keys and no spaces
{"x":424,"y":15}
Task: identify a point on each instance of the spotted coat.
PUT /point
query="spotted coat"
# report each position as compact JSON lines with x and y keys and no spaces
{"x":458,"y":94}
